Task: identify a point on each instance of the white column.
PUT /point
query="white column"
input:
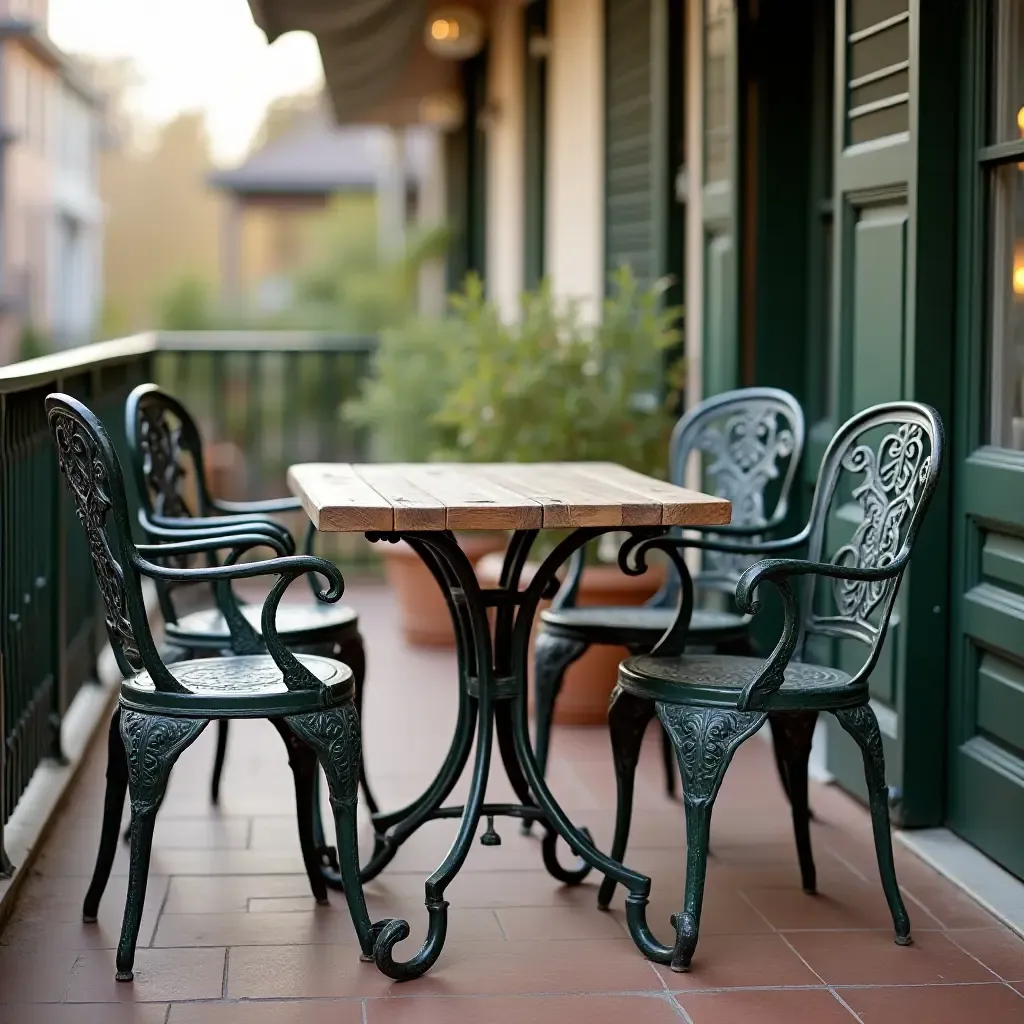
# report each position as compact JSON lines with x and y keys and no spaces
{"x":430,"y":213}
{"x":505,"y":160}
{"x":391,"y":190}
{"x":574,"y":253}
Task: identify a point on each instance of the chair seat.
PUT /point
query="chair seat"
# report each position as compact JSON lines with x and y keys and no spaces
{"x":249,"y":686}
{"x":715,"y":679}
{"x":298,"y":623}
{"x":641,"y":626}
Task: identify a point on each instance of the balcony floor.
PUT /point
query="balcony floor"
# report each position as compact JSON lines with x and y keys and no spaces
{"x":231,"y":933}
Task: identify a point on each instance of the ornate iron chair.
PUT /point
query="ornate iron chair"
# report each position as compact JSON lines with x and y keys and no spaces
{"x":162,"y":709}
{"x":887,"y":460}
{"x":751,"y":442}
{"x":164,"y":442}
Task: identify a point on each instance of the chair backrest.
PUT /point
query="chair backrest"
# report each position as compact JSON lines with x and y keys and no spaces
{"x":90,"y":467}
{"x":166,"y":452}
{"x":887,"y":461}
{"x":751,"y":441}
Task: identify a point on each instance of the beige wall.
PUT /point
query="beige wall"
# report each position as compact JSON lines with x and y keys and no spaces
{"x":505,"y":203}
{"x":574,"y":252}
{"x":694,"y":285}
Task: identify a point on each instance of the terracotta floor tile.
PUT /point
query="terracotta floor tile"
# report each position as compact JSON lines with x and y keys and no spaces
{"x":78,"y":1013}
{"x":938,"y":1004}
{"x":161,"y":975}
{"x":999,"y":949}
{"x":817,"y":1006}
{"x":740,"y":961}
{"x":852,"y":905}
{"x":200,"y":894}
{"x":307,"y":1012}
{"x":32,"y":978}
{"x":725,"y":912}
{"x":464,"y":969}
{"x":533,"y":924}
{"x":654,"y":1009}
{"x":872,"y":958}
{"x":331,"y":925}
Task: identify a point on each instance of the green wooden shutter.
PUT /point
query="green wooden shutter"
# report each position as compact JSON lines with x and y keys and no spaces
{"x":892,"y":338}
{"x":635,"y":137}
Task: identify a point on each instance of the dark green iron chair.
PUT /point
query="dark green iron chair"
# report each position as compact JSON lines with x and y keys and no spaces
{"x":751,"y":442}
{"x":162,"y":708}
{"x":887,"y":460}
{"x":165,"y":445}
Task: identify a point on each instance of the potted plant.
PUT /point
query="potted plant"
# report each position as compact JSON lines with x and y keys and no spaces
{"x":400,"y":404}
{"x":552,"y":388}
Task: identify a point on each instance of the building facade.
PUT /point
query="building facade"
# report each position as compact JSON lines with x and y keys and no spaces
{"x":837,"y":187}
{"x":51,"y":216}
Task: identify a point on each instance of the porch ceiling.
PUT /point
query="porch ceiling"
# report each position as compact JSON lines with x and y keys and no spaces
{"x":376,"y":65}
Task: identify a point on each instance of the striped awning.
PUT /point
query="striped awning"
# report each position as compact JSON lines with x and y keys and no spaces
{"x":366,"y":46}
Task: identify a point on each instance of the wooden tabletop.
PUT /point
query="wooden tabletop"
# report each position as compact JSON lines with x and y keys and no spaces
{"x":386,"y":497}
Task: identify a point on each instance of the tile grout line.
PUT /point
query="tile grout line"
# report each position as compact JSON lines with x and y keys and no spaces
{"x":362,"y":1011}
{"x":679,"y":1008}
{"x":160,"y":913}
{"x":501,"y":927}
{"x":167,"y":1015}
{"x":224,"y":977}
{"x":995,"y":975}
{"x":842,"y":1002}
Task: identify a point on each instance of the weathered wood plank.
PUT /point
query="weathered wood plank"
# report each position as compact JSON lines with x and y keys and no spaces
{"x":570,"y":498}
{"x":414,"y":508}
{"x":336,"y":499}
{"x":680,"y":506}
{"x":474,"y":501}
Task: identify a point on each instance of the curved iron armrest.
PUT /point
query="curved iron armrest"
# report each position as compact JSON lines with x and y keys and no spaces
{"x":213,"y":525}
{"x":243,"y":638}
{"x":778,"y":572}
{"x":250,"y":508}
{"x":288,"y":569}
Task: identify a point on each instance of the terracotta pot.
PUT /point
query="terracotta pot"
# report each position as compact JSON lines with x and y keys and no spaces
{"x":589,"y":681}
{"x":424,"y":615}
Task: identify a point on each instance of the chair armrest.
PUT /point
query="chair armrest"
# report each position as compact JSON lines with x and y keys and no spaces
{"x":257,"y":507}
{"x":779,"y":572}
{"x":288,"y":569}
{"x":239,"y":523}
{"x":716,"y":543}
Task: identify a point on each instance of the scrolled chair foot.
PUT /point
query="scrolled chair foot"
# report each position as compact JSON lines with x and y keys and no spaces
{"x":687,"y":930}
{"x":389,"y":933}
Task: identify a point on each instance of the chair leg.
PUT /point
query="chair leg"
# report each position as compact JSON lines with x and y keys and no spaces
{"x":113,"y":808}
{"x":305,"y":771}
{"x":792,"y":736}
{"x":218,"y":760}
{"x":353,"y":653}
{"x":628,"y":718}
{"x":668,"y":759}
{"x":861,"y":724}
{"x":704,"y":740}
{"x":334,"y":736}
{"x":552,"y":655}
{"x":152,"y":744}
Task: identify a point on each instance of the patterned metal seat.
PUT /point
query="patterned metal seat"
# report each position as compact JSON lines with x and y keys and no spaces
{"x":167,"y":459}
{"x":751,"y":442}
{"x":162,"y":709}
{"x":885,"y":460}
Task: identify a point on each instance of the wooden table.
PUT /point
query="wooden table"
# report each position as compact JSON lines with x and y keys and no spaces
{"x":424,"y":505}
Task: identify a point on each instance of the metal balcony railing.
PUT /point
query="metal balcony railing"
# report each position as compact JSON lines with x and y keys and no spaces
{"x":263,"y":401}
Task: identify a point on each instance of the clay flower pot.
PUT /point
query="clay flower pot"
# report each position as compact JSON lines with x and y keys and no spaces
{"x":423,"y":612}
{"x":589,"y":681}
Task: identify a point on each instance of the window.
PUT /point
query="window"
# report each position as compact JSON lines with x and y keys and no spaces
{"x":1004,"y":161}
{"x":718,"y":92}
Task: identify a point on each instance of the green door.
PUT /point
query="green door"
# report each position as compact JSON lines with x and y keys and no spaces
{"x":891,"y":338}
{"x":986,"y":803}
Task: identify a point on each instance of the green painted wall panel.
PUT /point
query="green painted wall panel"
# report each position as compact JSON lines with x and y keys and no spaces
{"x":1002,"y":559}
{"x":720,"y":353}
{"x":1000,"y":707}
{"x":878,"y":314}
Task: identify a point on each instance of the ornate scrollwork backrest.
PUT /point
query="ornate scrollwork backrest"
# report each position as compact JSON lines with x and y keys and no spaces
{"x":884,"y":463}
{"x":749,"y":439}
{"x":165,"y":445}
{"x":89,"y":465}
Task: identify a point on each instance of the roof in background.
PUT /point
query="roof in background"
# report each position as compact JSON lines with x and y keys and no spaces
{"x":318,"y":157}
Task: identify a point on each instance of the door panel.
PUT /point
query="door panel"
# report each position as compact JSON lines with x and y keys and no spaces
{"x":987,"y":653}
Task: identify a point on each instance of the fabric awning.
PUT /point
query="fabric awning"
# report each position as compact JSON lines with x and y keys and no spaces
{"x":367,"y":46}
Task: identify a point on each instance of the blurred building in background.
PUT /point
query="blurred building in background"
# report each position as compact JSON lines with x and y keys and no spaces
{"x":51,"y":214}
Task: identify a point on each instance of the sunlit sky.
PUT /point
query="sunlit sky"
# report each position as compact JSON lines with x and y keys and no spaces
{"x":192,"y":55}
